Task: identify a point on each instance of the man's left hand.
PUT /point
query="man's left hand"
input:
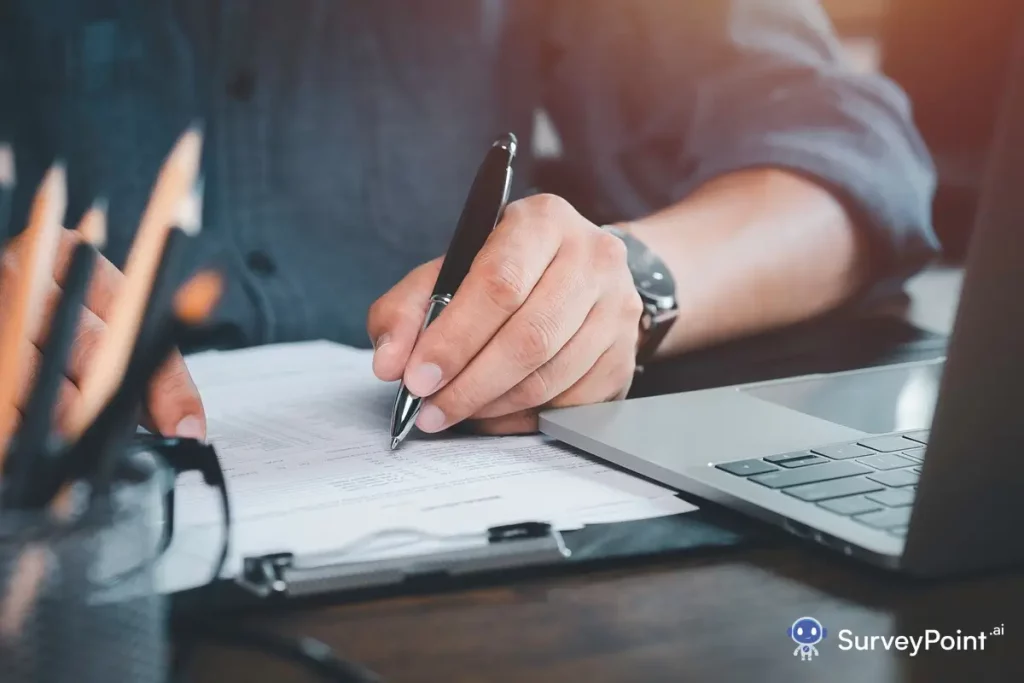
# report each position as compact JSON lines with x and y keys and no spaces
{"x":548,"y":316}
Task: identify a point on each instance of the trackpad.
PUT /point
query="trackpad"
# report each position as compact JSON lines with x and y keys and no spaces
{"x":884,"y":400}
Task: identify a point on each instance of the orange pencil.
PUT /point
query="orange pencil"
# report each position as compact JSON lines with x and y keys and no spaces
{"x":35,"y":273}
{"x":174,"y":186}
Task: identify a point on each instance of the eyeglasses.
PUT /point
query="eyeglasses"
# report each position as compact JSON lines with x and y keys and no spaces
{"x":177,"y":457}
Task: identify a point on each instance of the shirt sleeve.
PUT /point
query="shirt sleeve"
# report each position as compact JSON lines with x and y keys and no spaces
{"x":651,"y":99}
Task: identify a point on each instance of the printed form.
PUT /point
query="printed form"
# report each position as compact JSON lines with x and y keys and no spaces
{"x":302,"y":431}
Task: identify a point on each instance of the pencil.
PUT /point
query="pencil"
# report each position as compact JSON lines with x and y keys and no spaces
{"x":174,"y":184}
{"x":23,"y":323}
{"x":171,"y":270}
{"x":30,"y":454}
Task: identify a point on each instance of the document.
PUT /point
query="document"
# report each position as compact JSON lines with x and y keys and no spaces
{"x":302,"y":433}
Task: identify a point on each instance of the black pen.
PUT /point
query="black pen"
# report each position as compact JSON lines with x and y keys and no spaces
{"x":484,"y":206}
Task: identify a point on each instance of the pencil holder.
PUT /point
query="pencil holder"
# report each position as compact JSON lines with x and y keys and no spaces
{"x":78,"y":601}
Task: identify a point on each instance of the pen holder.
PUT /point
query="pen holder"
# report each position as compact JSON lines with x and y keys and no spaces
{"x":78,"y":601}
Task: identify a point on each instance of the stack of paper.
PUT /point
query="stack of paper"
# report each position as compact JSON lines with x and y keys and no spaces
{"x":302,"y":432}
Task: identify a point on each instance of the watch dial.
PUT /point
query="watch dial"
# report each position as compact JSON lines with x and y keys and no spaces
{"x":650,"y":275}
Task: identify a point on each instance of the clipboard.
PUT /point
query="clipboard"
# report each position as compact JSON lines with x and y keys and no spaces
{"x":498,"y":553}
{"x":282,"y":575}
{"x":515,"y":546}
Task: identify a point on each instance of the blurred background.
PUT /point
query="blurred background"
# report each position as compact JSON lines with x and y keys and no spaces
{"x":950,"y":57}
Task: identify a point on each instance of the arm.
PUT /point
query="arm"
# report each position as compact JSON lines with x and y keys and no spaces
{"x":791,"y":184}
{"x":752,"y":250}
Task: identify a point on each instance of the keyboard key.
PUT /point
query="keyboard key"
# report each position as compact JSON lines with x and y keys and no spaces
{"x":834,"y":488}
{"x":890,"y":518}
{"x":798,"y":459}
{"x":887,"y":444}
{"x":886,"y":461}
{"x":921,"y":436}
{"x":900,"y":531}
{"x":745,"y":468}
{"x":915,"y":454}
{"x":809,"y":475}
{"x":894,"y":498}
{"x":843,"y":451}
{"x":851,"y":505}
{"x":896,"y":478}
{"x":779,"y":459}
{"x":803,"y":462}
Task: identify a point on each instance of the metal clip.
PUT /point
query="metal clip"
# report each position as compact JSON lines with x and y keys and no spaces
{"x":265,"y":575}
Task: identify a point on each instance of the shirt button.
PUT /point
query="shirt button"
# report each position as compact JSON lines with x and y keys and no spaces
{"x":260,"y":263}
{"x":242,"y":86}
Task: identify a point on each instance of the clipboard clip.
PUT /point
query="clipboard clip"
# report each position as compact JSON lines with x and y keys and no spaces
{"x":280,"y":575}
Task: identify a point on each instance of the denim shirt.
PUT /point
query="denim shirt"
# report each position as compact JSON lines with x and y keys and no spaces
{"x":342,"y":135}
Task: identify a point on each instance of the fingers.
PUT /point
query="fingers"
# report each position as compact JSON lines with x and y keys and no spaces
{"x":524,"y":422}
{"x":608,"y":380}
{"x":174,"y":405}
{"x":67,"y":394}
{"x":568,"y":366}
{"x":531,"y":337}
{"x":395,"y":320}
{"x":88,"y":337}
{"x":106,"y":278}
{"x":174,"y":402}
{"x":103,"y":286}
{"x":502,"y":278}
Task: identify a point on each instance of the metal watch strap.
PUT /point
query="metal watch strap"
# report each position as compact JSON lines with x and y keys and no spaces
{"x":657,"y":326}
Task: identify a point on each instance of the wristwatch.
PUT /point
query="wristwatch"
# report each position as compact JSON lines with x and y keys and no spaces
{"x":657,"y":290}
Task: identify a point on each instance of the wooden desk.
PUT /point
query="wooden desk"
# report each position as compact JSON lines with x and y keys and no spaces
{"x":717,"y":618}
{"x":721,"y":619}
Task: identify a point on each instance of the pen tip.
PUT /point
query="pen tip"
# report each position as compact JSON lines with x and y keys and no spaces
{"x":394,"y":442}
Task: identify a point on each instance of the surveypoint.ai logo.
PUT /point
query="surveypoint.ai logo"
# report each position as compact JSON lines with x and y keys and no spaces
{"x":931,"y":639}
{"x":806,"y":632}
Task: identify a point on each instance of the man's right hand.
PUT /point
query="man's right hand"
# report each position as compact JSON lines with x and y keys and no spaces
{"x":173,"y":405}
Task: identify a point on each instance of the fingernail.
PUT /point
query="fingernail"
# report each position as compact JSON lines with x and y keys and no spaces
{"x":430,"y":419}
{"x":379,"y":346}
{"x":190,"y":428}
{"x":423,"y":379}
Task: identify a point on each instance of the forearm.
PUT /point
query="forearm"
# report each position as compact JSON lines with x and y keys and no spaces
{"x":751,"y":251}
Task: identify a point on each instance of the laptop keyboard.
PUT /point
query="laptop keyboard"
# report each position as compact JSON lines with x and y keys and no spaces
{"x":872,"y":481}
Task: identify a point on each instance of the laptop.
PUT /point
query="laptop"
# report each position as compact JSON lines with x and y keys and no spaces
{"x":916,"y":467}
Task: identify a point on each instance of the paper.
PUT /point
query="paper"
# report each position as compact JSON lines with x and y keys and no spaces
{"x":302,"y":432}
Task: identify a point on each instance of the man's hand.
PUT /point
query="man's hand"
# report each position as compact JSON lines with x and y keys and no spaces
{"x":174,"y":407}
{"x":547,"y":317}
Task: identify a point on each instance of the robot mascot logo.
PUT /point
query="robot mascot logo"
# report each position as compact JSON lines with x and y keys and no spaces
{"x":806,"y":632}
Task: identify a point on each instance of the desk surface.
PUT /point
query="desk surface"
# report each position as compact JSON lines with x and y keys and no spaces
{"x":720,"y":618}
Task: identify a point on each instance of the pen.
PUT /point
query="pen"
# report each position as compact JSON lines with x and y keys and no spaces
{"x":482,"y":211}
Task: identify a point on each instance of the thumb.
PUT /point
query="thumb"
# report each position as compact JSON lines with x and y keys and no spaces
{"x":174,"y":406}
{"x":395,"y":320}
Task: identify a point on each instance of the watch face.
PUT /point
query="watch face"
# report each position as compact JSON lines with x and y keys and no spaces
{"x":650,"y":275}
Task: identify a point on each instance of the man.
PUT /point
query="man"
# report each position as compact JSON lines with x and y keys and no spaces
{"x":728,"y":138}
